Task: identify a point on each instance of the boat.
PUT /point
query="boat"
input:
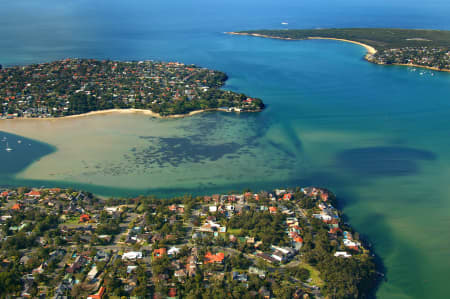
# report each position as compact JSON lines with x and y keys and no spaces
{"x":19,"y":141}
{"x":8,"y":149}
{"x":284,"y":23}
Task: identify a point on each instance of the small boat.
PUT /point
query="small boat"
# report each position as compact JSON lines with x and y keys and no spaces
{"x":284,"y":23}
{"x":8,"y":149}
{"x":19,"y":141}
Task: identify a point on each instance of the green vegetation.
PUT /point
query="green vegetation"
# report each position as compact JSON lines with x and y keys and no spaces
{"x":379,"y":38}
{"x":427,"y":48}
{"x":269,"y":228}
{"x":76,"y":86}
{"x":282,"y":244}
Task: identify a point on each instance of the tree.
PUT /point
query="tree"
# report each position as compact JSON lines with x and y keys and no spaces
{"x":9,"y":282}
{"x":300,"y":273}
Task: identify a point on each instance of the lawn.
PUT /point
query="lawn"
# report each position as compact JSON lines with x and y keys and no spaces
{"x":315,"y":274}
{"x":72,"y":220}
{"x":234,"y":231}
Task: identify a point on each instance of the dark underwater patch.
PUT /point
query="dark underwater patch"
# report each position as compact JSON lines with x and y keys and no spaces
{"x":177,"y":150}
{"x":383,"y":160}
{"x":21,"y":152}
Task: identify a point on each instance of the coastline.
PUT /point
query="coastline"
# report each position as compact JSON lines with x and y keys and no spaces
{"x":370,"y":50}
{"x":363,"y":276}
{"x":419,"y":66}
{"x":122,"y":111}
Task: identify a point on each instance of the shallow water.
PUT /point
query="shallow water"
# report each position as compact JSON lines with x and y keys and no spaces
{"x":377,"y":136}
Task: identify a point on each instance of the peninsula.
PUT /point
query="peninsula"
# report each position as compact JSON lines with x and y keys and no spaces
{"x":411,"y":47}
{"x":79,"y":86}
{"x":285,"y":243}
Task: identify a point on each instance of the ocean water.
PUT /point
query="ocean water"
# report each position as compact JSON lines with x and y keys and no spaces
{"x":377,"y":136}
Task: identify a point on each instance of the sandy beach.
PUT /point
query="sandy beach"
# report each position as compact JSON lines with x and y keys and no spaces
{"x":370,"y":50}
{"x":122,"y":111}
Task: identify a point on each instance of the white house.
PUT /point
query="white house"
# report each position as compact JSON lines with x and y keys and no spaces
{"x":132,"y":255}
{"x":323,"y":216}
{"x":342,"y":254}
{"x":350,"y":243}
{"x":230,"y":207}
{"x":91,"y":275}
{"x":112,"y":210}
{"x":173,"y":251}
{"x":278,"y":192}
{"x":291,"y":220}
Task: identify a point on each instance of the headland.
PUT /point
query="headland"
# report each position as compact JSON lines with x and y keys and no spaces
{"x":428,"y":49}
{"x":73,"y":87}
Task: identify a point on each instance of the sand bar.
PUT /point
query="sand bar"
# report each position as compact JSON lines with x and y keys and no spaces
{"x":122,"y":111}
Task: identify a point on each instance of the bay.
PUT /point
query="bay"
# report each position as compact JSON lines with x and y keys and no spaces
{"x":377,"y":136}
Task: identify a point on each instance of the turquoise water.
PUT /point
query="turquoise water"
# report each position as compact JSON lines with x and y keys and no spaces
{"x":377,"y":136}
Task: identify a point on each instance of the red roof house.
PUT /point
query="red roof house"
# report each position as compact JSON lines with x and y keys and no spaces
{"x":33,"y":193}
{"x":159,"y":253}
{"x":99,"y":294}
{"x":287,"y":196}
{"x":172,"y":293}
{"x":334,"y":230}
{"x":298,"y":239}
{"x":214,"y":258}
{"x":17,"y":207}
{"x":85,"y":218}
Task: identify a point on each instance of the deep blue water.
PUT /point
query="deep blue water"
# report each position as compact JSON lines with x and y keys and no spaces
{"x":377,"y":136}
{"x":186,"y":30}
{"x":20,"y":155}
